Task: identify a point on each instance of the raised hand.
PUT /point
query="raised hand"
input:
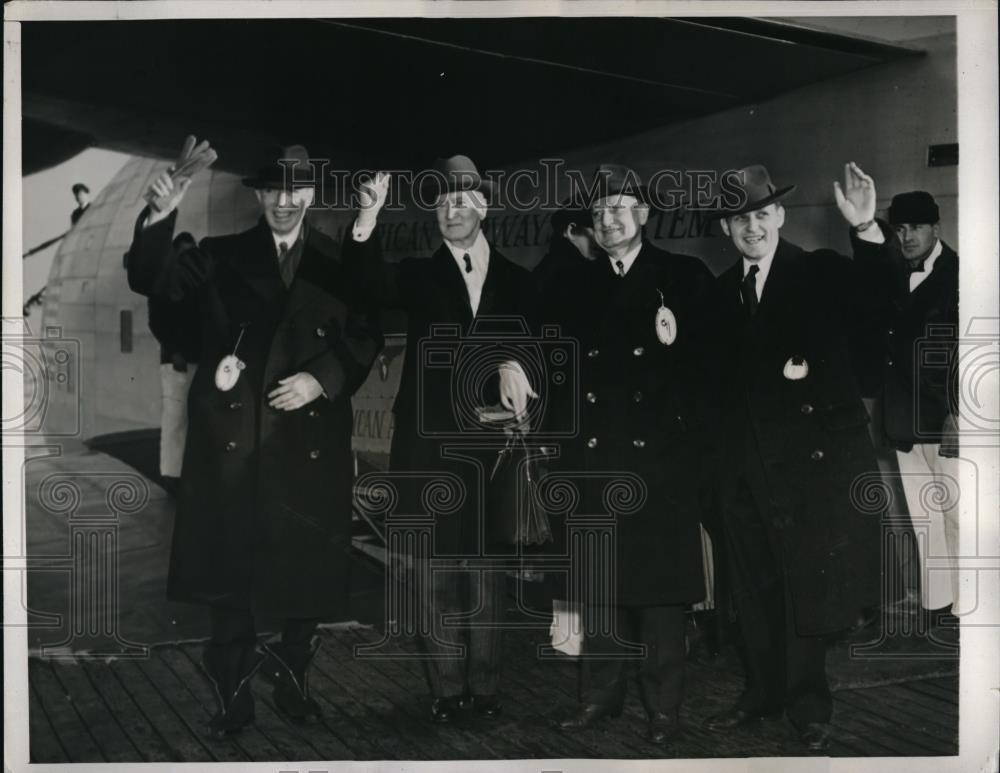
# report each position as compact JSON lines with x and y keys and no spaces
{"x":164,"y":195}
{"x":372,"y":196}
{"x":857,"y":199}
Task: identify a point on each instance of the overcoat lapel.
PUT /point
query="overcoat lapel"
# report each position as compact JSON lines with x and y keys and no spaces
{"x":313,"y":274}
{"x":258,"y":265}
{"x":450,"y":277}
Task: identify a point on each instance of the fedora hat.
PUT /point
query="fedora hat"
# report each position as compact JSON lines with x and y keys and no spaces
{"x":756,"y":190}
{"x":611,"y":180}
{"x":296,"y":172}
{"x":455,"y":174}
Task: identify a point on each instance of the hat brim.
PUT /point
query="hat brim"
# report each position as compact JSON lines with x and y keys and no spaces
{"x":753,"y":206}
{"x":434,"y":188}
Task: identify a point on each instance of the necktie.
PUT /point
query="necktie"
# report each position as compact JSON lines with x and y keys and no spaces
{"x":748,"y":290}
{"x":620,"y":266}
{"x":288,"y":261}
{"x":915,"y":266}
{"x":468,"y":263}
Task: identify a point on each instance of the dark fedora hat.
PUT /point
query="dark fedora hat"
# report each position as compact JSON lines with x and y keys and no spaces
{"x":296,"y":171}
{"x":611,"y":180}
{"x":454,"y":174}
{"x":752,"y":186}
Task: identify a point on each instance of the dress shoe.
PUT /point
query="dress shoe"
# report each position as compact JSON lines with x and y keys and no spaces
{"x":230,"y":668}
{"x":589,"y":715}
{"x":488,"y":706}
{"x":737,"y":717}
{"x":445,"y":710}
{"x":816,"y":736}
{"x":287,"y":667}
{"x":663,"y":727}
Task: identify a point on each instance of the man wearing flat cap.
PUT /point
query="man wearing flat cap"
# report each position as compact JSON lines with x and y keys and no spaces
{"x":914,"y":373}
{"x":263,"y":516}
{"x":481,"y":299}
{"x":803,"y":558}
{"x":641,"y":316}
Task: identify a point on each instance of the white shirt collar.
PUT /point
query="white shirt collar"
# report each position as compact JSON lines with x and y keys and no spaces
{"x":919,"y":276}
{"x":627,"y":259}
{"x":479,"y":253}
{"x":288,"y":239}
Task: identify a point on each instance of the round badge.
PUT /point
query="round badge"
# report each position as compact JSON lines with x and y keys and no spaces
{"x":666,"y":326}
{"x":228,"y":372}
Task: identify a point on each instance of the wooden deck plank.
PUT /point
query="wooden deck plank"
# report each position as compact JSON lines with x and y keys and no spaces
{"x":141,"y":733}
{"x":43,"y":741}
{"x":888,"y":703}
{"x":192,"y":712}
{"x":183,"y":742}
{"x":377,"y":709}
{"x":421,"y":741}
{"x":350,"y":721}
{"x":102,"y":724}
{"x":251,"y":740}
{"x":948,"y":693}
{"x":916,"y":696}
{"x":886,"y":733}
{"x":62,"y":713}
{"x":295,"y":742}
{"x":410,"y":681}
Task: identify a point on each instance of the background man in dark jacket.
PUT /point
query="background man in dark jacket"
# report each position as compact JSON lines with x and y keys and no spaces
{"x":803,"y":557}
{"x":264,"y":508}
{"x":465,"y":301}
{"x":571,"y":245}
{"x":915,"y":369}
{"x":641,"y":318}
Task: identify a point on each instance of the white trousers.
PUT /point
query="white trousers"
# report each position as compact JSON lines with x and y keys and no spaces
{"x":174,"y":385}
{"x":931,"y":486}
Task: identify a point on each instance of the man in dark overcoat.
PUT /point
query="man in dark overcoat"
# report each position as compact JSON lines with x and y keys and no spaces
{"x":913,"y":368}
{"x":464,"y":302}
{"x":263,"y":517}
{"x":640,"y":316}
{"x":803,"y":552}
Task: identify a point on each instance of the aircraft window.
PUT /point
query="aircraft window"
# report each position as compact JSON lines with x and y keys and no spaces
{"x":125,"y":328}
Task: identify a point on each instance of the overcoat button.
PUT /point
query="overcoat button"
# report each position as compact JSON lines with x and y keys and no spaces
{"x":313,"y":413}
{"x":592,"y":443}
{"x":806,"y":408}
{"x":235,"y":406}
{"x":637,"y":396}
{"x":321,"y":332}
{"x":231,"y":445}
{"x":593,"y":353}
{"x":591,"y":397}
{"x":314,"y":454}
{"x":639,"y":443}
{"x":888,"y":361}
{"x":639,"y":351}
{"x":816,"y":455}
{"x":891,"y":331}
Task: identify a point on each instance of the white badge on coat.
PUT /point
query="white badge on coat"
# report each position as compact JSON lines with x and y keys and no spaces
{"x":666,"y":323}
{"x":228,"y":371}
{"x":796,"y":369}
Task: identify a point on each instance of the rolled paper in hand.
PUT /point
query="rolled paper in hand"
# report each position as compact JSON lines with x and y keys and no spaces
{"x":193,"y":158}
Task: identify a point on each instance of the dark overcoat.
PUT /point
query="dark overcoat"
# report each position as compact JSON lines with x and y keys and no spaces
{"x":450,"y":369}
{"x":818,"y":479}
{"x":641,"y":414}
{"x":912,"y":367}
{"x":264,"y":506}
